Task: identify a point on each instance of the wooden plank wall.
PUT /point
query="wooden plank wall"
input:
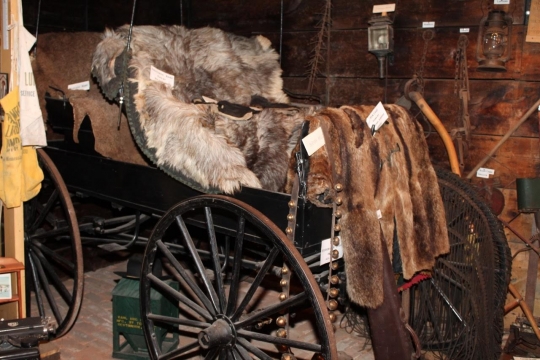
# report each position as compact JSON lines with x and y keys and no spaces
{"x":498,"y":100}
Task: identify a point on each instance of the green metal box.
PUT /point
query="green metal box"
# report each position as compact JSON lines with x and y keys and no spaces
{"x":128,"y":336}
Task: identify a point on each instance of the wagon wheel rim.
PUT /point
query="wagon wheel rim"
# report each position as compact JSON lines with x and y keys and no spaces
{"x":53,"y":251}
{"x":219,"y":320}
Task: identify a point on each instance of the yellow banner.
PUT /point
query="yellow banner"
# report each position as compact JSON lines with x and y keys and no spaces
{"x":21,"y":175}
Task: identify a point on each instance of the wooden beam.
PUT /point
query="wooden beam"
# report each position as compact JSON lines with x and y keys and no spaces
{"x":13,"y":218}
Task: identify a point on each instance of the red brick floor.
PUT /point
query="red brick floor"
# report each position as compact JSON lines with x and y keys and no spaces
{"x":91,"y":336}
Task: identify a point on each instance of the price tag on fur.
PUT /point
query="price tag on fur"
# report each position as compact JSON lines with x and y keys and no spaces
{"x":377,"y":117}
{"x":161,"y":76}
{"x":501,"y":2}
{"x":85,"y":85}
{"x":313,"y":141}
{"x":484,"y":173}
{"x":325,"y":251}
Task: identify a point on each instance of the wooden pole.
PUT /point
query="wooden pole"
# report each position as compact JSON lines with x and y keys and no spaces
{"x":13,"y":218}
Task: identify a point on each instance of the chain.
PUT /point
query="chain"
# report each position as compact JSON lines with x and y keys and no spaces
{"x":462,"y":133}
{"x":427,"y":36}
{"x":461,"y":76}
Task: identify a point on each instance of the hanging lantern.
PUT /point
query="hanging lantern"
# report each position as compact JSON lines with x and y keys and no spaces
{"x":381,"y":39}
{"x":493,"y":39}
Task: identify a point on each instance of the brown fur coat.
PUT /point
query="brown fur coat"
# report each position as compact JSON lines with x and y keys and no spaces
{"x":389,"y":171}
{"x":189,"y":141}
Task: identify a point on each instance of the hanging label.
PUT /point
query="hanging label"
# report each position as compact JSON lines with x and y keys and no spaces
{"x":161,"y":76}
{"x":325,"y":251}
{"x":85,"y":85}
{"x":377,"y":9}
{"x":379,"y":214}
{"x":484,"y":173}
{"x":464,"y":30}
{"x":501,"y":2}
{"x":377,"y":117}
{"x":428,"y":24}
{"x":313,"y":141}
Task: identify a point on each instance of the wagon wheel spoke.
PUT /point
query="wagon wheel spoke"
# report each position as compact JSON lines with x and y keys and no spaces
{"x":235,"y":281}
{"x":46,"y":289}
{"x":177,"y":321}
{"x":211,"y":354}
{"x":182,"y":350}
{"x":227,"y":296}
{"x":178,"y":296}
{"x":34,"y":277}
{"x":256,"y":283}
{"x":53,"y":276}
{"x":280,"y":341}
{"x":215,"y":259}
{"x":44,"y":210}
{"x":242,"y":353}
{"x":55,"y":279}
{"x":198,"y":262}
{"x":253,"y":349}
{"x":271,"y":310}
{"x":182,"y":276}
{"x":53,"y":255}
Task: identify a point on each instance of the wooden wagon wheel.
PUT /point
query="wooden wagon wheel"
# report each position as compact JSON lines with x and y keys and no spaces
{"x":54,"y":264}
{"x":230,"y":301}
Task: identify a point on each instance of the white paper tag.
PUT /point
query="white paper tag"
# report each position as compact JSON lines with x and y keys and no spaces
{"x":161,"y":76}
{"x":313,"y":141}
{"x":377,"y":117}
{"x":464,"y":30}
{"x":325,"y":251}
{"x":85,"y":85}
{"x":484,"y":173}
{"x":379,"y":214}
{"x":522,"y":358}
{"x":377,"y":9}
{"x":428,"y":24}
{"x":501,"y":2}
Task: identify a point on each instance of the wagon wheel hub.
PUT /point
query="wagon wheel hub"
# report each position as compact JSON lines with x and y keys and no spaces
{"x":221,"y":333}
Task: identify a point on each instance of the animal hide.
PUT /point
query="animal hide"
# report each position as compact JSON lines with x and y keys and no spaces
{"x":65,"y":58}
{"x":191,"y":141}
{"x":389,"y":171}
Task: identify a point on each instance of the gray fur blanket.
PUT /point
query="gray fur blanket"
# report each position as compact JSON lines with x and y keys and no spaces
{"x":190,"y":140}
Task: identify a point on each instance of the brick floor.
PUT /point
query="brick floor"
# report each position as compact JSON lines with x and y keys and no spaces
{"x":91,"y":336}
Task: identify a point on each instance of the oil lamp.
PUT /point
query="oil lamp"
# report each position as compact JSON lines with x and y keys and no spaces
{"x":381,"y":39}
{"x":493,"y":38}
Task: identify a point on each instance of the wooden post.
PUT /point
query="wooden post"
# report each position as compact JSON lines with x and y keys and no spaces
{"x":13,"y":218}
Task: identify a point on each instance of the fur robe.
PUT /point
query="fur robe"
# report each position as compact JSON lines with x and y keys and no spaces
{"x":191,"y":142}
{"x":389,"y":171}
{"x":66,"y":58}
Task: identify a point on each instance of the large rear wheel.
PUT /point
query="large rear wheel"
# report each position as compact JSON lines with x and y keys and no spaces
{"x":233,"y":300}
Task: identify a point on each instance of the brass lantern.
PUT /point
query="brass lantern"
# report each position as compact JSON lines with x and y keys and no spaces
{"x":381,"y":39}
{"x":493,"y":38}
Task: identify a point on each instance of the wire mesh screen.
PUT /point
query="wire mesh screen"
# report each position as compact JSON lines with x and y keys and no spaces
{"x":458,"y":312}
